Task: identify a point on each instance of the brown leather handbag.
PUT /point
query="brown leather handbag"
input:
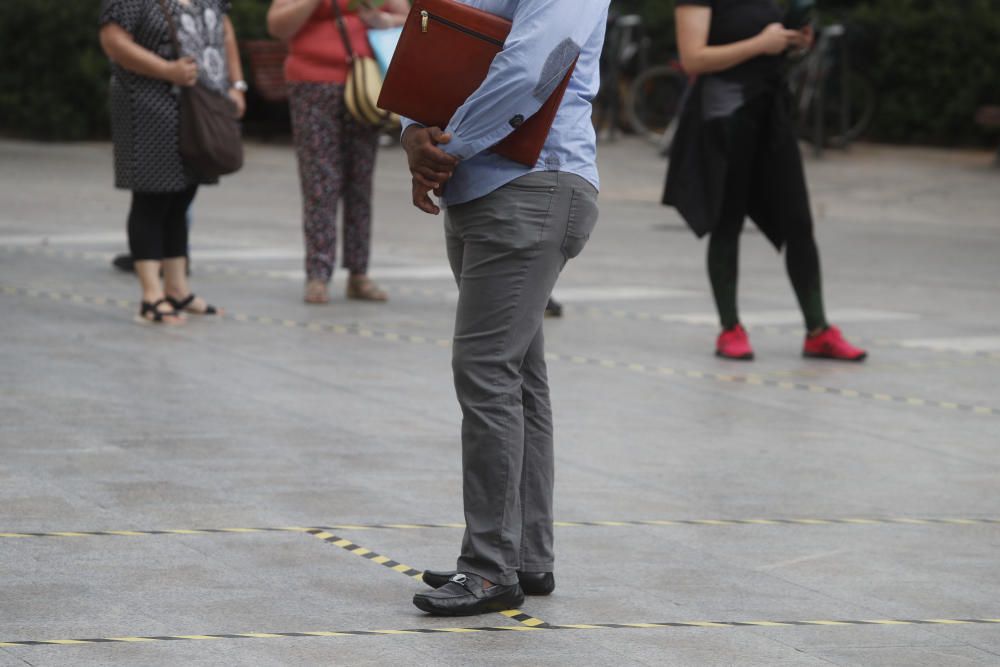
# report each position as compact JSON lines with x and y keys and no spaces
{"x":443,"y":56}
{"x":210,"y":139}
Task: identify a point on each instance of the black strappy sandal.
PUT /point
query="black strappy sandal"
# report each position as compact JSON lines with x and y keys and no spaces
{"x":158,"y":315}
{"x":184,"y":306}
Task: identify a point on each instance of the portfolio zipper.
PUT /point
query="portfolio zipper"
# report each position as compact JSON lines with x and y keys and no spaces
{"x":426,"y":17}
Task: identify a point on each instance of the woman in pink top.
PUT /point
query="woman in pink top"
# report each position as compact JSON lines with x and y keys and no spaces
{"x":336,"y":153}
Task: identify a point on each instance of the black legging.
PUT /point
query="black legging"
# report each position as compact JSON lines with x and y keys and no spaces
{"x":157,"y":224}
{"x":765,"y":178}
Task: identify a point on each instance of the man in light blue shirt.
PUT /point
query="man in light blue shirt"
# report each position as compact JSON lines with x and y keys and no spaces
{"x":510,"y":230}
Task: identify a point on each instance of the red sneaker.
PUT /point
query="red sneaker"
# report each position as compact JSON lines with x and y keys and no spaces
{"x":830,"y":344}
{"x":734,"y":344}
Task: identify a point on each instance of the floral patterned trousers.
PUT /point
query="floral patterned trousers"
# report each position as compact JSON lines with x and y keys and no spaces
{"x":336,"y":161}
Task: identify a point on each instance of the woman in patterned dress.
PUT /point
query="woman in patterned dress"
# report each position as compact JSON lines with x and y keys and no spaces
{"x":147,"y":73}
{"x":336,"y":153}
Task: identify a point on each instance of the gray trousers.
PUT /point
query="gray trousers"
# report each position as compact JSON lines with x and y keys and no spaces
{"x":507,"y":250}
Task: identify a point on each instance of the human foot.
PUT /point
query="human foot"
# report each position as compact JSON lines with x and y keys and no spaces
{"x":734,"y":344}
{"x":194,"y":304}
{"x":831,"y":344}
{"x":468,"y":594}
{"x":363,"y":288}
{"x":532,"y":583}
{"x":159,"y":312}
{"x":317,"y":292}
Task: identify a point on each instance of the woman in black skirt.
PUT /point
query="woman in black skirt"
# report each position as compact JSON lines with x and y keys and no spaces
{"x":147,"y":74}
{"x":736,"y":155}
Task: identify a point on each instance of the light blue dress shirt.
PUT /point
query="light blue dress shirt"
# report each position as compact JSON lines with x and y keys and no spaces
{"x":546,"y":36}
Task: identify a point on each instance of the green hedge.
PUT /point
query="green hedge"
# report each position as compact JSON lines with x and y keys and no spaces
{"x":250,"y":18}
{"x":54,"y":77}
{"x":933,"y":63}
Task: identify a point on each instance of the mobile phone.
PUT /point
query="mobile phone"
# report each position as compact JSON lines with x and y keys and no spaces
{"x":800,"y":14}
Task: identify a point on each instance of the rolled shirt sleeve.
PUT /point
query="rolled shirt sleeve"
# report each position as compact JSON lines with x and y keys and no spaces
{"x":407,"y":123}
{"x":544,"y":42}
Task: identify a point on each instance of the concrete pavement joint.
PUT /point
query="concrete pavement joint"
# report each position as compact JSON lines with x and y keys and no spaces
{"x":939,"y":364}
{"x":764,"y":381}
{"x":509,"y":628}
{"x":320,"y":327}
{"x":211,"y":269}
{"x":771,"y":329}
{"x":588,"y":311}
{"x":650,"y":370}
{"x":325,"y":530}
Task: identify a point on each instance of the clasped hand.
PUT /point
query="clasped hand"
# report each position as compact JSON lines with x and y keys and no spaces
{"x":430,"y":166}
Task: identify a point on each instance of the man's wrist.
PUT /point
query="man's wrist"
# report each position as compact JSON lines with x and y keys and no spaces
{"x":240,"y":85}
{"x":406,"y":139}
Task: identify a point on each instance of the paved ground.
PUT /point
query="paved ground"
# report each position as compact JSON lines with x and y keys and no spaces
{"x":714,"y":514}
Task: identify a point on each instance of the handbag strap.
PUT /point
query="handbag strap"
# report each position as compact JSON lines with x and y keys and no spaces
{"x":167,"y":14}
{"x":343,"y":30}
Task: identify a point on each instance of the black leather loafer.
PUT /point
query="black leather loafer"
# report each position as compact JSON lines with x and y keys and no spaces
{"x":464,"y":595}
{"x":532,"y":583}
{"x":537,"y":583}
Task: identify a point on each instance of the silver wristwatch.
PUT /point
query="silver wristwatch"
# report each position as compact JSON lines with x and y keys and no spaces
{"x":240,"y":85}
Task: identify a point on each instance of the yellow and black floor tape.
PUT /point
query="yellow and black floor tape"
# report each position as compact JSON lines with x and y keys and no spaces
{"x":358,"y":550}
{"x":851,"y":521}
{"x":508,"y":628}
{"x":413,"y":573}
{"x":645,"y":369}
{"x":143,"y":533}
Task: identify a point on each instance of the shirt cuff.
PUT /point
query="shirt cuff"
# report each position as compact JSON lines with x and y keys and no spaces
{"x":465,"y":149}
{"x":407,"y":123}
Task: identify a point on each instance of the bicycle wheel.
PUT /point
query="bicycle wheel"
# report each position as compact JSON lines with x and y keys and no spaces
{"x":653,"y":101}
{"x":860,"y":110}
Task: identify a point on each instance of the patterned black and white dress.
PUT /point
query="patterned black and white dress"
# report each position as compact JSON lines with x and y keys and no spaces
{"x":145,"y":114}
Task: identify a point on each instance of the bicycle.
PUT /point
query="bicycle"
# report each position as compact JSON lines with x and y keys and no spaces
{"x":835,"y":103}
{"x":625,"y":50}
{"x":654,"y":100}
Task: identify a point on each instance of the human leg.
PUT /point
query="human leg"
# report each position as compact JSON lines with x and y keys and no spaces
{"x":723,"y":256}
{"x":742,"y":144}
{"x":146,"y":224}
{"x":786,"y":184}
{"x":745,"y":134}
{"x":538,"y":472}
{"x":175,"y":263}
{"x":723,"y":269}
{"x":537,"y":560}
{"x":359,"y":154}
{"x":802,"y":264}
{"x":318,"y":135}
{"x":359,"y":159}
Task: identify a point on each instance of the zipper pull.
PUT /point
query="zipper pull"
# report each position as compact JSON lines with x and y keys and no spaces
{"x":424,"y":19}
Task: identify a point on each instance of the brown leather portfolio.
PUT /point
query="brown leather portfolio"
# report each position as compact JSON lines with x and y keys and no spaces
{"x":443,"y":56}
